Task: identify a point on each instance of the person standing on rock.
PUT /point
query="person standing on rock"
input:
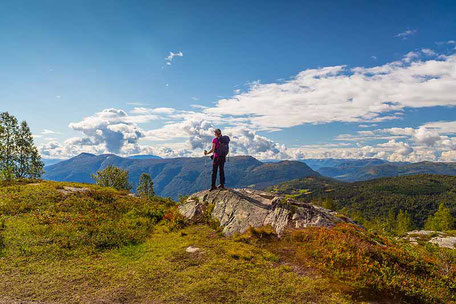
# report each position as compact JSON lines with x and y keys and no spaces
{"x":220,"y":148}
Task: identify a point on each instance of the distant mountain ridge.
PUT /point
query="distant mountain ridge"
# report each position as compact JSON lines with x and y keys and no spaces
{"x":318,"y":163}
{"x":174,"y":176}
{"x":360,"y":170}
{"x":142,"y":156}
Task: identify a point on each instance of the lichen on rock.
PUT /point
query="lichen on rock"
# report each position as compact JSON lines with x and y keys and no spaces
{"x":238,"y":209}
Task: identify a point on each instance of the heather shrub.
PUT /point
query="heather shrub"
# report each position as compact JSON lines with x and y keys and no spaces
{"x":374,"y":264}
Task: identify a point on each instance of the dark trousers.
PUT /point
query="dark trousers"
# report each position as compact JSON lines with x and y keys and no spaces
{"x":219,"y":162}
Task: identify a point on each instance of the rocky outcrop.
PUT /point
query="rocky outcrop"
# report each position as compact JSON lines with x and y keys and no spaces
{"x":238,"y":209}
{"x":441,"y":239}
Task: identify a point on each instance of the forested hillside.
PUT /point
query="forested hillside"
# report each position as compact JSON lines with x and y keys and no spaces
{"x":378,"y":200}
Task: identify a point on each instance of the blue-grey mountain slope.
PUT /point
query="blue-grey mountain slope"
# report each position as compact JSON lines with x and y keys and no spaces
{"x":181,"y":175}
{"x":360,"y":170}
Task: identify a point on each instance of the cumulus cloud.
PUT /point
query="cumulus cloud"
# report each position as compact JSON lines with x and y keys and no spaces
{"x":427,"y":137}
{"x":337,"y":93}
{"x":197,"y":135}
{"x":410,"y":56}
{"x":449,"y":156}
{"x":367,"y":96}
{"x":246,"y":141}
{"x":111,"y":128}
{"x":401,"y":148}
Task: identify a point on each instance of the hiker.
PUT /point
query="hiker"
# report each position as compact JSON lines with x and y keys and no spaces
{"x":220,"y":149}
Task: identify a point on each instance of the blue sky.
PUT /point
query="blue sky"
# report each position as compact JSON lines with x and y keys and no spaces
{"x":285,"y":79}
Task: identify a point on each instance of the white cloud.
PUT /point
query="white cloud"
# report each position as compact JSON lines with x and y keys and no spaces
{"x":405,"y":34}
{"x":314,"y":96}
{"x":153,"y":111}
{"x":46,"y":131}
{"x":348,"y":95}
{"x":427,"y":137}
{"x":111,"y":129}
{"x":400,"y":148}
{"x":172,"y":55}
{"x":449,"y":156}
{"x":445,"y":127}
{"x":367,"y":126}
{"x":428,"y":52}
{"x":410,"y":56}
{"x":432,"y":141}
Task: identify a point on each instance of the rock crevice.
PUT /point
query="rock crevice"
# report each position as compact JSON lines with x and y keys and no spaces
{"x":238,"y":209}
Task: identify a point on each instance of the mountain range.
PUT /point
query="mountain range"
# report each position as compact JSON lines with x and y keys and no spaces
{"x":174,"y":176}
{"x":180,"y":176}
{"x":366,"y":169}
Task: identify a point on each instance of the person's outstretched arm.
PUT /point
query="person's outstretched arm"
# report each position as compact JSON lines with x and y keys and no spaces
{"x":211,"y":150}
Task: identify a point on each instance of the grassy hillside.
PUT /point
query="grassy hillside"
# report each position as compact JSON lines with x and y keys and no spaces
{"x":306,"y":186}
{"x":79,"y":243}
{"x":419,"y":195}
{"x":103,"y":246}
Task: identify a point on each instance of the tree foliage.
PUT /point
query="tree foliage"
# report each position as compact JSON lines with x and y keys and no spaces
{"x":404,"y":222}
{"x":113,"y":177}
{"x":19,"y":156}
{"x":146,"y":186}
{"x":442,"y":220}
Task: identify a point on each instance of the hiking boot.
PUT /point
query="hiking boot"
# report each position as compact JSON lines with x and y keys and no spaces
{"x":221,"y":187}
{"x":213,"y":188}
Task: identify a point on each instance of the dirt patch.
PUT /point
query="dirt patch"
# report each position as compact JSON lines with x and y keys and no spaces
{"x":69,"y":190}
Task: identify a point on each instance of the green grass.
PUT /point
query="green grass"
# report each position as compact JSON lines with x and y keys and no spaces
{"x":103,"y":246}
{"x":160,"y":270}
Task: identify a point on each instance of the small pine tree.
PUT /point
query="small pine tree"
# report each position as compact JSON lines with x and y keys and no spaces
{"x":36,"y":165}
{"x":328,"y":204}
{"x":391,"y":221}
{"x":403,"y":223}
{"x":8,"y":135}
{"x":112,"y":177}
{"x":18,"y":155}
{"x":29,"y":162}
{"x":442,"y":220}
{"x":146,"y":187}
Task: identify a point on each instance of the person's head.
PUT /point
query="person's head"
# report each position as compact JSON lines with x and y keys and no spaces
{"x":217,"y":132}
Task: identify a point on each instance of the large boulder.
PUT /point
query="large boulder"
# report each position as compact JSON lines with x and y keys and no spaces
{"x":238,"y":209}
